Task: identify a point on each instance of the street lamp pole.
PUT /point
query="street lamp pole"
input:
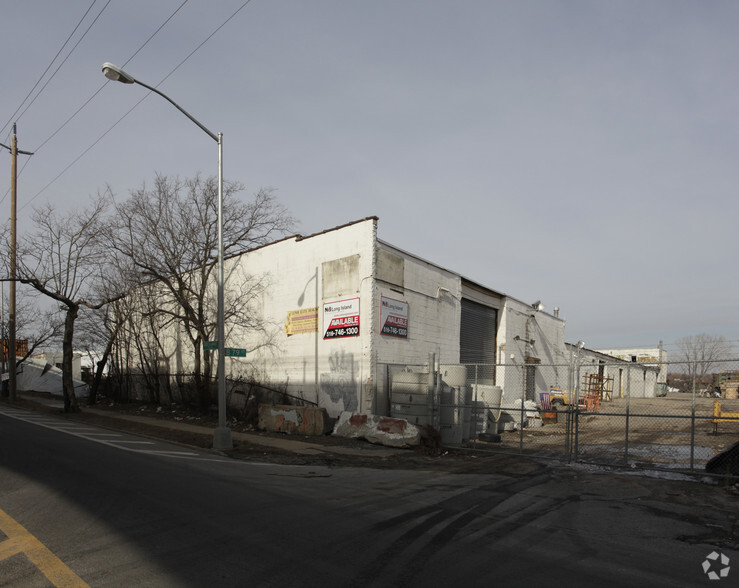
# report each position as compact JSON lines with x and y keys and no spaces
{"x":222,"y":434}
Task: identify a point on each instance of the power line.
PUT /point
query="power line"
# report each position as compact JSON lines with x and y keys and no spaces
{"x":85,"y":151}
{"x":81,"y":155}
{"x":87,"y":30}
{"x":66,"y":122}
{"x":12,"y":117}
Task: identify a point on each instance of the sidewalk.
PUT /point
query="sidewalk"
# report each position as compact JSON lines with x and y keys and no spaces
{"x":283,"y":442}
{"x":286,"y":443}
{"x":299,"y":449}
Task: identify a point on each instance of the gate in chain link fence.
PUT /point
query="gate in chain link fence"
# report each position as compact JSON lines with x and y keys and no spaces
{"x":676,"y":416}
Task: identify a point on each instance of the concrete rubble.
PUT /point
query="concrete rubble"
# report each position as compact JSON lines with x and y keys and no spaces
{"x":377,"y":429}
{"x":294,"y":420}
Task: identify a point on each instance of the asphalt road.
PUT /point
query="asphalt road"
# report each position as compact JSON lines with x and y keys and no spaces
{"x":119,"y":510}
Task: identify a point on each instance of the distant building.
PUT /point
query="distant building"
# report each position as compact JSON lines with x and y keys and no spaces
{"x":727,"y":382}
{"x":624,"y":373}
{"x":21,"y":348}
{"x":38,"y":375}
{"x":54,"y":358}
{"x":652,"y":356}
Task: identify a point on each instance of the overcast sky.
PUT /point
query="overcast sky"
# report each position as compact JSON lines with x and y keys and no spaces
{"x":581,"y":153}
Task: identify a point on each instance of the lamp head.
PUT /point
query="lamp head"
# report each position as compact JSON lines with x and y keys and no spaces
{"x":115,"y":73}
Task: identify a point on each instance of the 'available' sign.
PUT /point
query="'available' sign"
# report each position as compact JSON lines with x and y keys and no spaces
{"x":393,"y":317}
{"x":341,"y":318}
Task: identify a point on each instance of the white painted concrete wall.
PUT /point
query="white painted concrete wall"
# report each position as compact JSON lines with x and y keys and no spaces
{"x":547,"y":332}
{"x":433,"y":298}
{"x":297,"y":274}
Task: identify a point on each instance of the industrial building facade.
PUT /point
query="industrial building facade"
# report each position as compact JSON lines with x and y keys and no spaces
{"x":342,"y":312}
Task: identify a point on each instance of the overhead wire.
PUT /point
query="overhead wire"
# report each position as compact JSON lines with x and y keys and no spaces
{"x":66,"y":58}
{"x":66,"y":122}
{"x":12,"y":117}
{"x":76,"y":112}
{"x":172,"y":71}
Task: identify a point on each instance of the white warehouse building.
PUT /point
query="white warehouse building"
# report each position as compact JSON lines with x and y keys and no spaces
{"x":344,"y":312}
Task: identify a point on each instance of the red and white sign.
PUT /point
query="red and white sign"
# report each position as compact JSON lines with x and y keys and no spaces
{"x":393,"y":317}
{"x":341,"y":318}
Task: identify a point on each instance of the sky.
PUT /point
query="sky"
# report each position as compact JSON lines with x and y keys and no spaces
{"x":581,"y":153}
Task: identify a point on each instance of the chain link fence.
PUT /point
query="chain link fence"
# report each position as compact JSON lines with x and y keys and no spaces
{"x":673,"y":416}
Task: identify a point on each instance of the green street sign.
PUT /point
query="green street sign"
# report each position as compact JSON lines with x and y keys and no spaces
{"x":228,"y":351}
{"x":235,"y":352}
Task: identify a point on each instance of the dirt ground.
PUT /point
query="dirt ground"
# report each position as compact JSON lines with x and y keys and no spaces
{"x":657,"y":430}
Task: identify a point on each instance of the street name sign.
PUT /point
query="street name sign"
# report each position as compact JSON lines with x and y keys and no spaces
{"x":235,"y":352}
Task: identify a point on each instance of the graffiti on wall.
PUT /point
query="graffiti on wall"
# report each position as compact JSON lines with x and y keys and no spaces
{"x":339,"y":383}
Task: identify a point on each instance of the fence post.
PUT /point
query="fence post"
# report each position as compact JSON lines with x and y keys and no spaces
{"x":576,"y":427}
{"x":431,"y":386}
{"x":523,"y":396}
{"x":475,"y":414}
{"x":628,"y":414}
{"x":692,"y":422}
{"x":576,"y":405}
{"x":569,"y":421}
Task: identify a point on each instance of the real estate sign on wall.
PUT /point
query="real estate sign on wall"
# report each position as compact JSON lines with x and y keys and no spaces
{"x":341,"y":318}
{"x":300,"y":321}
{"x":393,"y":317}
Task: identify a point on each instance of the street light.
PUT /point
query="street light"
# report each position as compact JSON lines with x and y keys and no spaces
{"x":222,"y":434}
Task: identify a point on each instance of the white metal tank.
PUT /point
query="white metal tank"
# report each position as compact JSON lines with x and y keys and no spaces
{"x":409,"y":397}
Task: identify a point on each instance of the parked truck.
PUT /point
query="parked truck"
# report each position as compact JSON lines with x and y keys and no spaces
{"x":561,"y":396}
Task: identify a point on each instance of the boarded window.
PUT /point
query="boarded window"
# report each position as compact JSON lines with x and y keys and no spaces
{"x":341,"y":276}
{"x":390,"y":269}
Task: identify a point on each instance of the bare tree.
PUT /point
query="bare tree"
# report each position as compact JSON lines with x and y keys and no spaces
{"x":169,"y":232}
{"x":38,"y":327}
{"x":97,"y":333}
{"x":702,"y":354}
{"x":64,"y":259}
{"x":146,"y":334}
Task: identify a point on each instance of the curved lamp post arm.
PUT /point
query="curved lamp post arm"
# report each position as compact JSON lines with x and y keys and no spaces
{"x":222,"y":434}
{"x":116,"y":74}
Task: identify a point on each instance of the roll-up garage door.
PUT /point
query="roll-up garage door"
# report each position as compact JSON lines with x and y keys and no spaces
{"x":477,"y":334}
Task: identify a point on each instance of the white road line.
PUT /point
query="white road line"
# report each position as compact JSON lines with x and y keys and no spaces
{"x":29,"y":417}
{"x":136,"y":442}
{"x":116,"y":443}
{"x":174,"y":453}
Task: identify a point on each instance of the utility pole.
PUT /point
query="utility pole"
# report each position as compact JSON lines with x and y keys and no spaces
{"x":12,"y":344}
